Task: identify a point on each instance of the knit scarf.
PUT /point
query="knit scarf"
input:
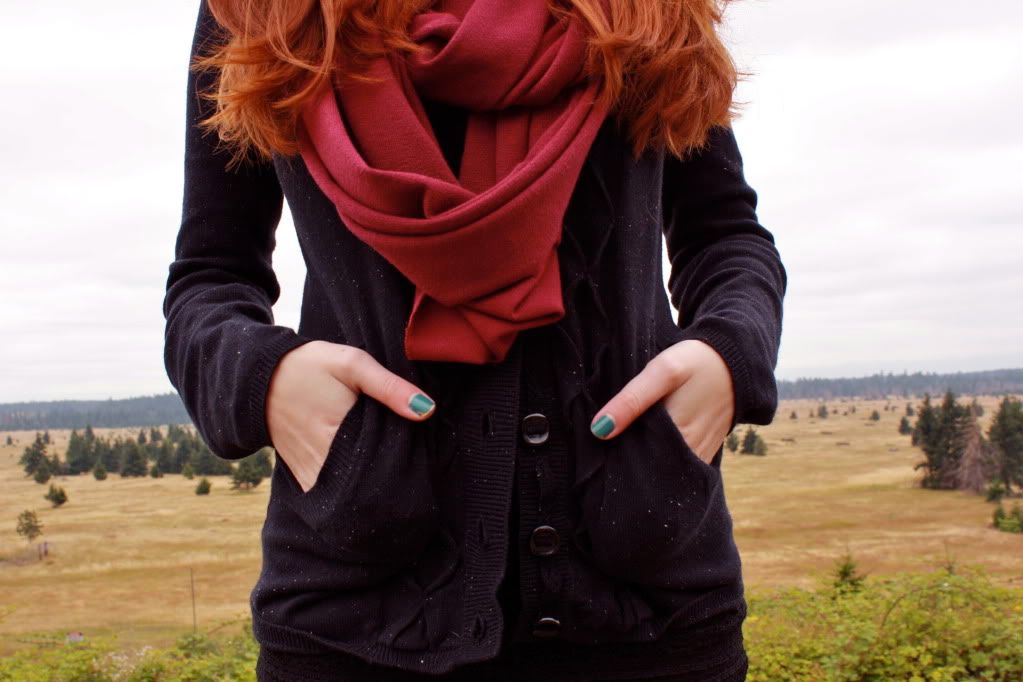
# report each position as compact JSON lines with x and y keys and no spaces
{"x":480,"y":248}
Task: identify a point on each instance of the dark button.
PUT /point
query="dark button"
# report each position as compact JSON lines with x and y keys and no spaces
{"x":546,"y":627}
{"x":535,"y":428}
{"x":544,"y":541}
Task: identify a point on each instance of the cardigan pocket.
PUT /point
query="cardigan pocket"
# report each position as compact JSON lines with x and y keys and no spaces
{"x":661,"y":518}
{"x":373,"y":501}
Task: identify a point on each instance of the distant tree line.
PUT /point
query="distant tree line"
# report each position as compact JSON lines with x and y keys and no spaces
{"x":165,"y":408}
{"x":150,"y":453}
{"x":904,"y":386}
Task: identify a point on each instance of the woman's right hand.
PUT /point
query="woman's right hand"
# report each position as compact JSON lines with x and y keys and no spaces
{"x":312,"y":389}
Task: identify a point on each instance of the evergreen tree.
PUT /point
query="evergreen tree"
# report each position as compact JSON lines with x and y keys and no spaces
{"x":822,"y":411}
{"x":187,"y":471}
{"x":976,"y":463}
{"x":142,"y":437}
{"x":978,"y":409}
{"x":154,"y":435}
{"x":793,"y":415}
{"x":749,"y":442}
{"x":247,"y":475}
{"x":203,"y":488}
{"x":154,"y":471}
{"x":42,"y":473}
{"x":182,"y":454}
{"x":79,"y":456}
{"x":10,"y":441}
{"x":133,"y":462}
{"x":89,"y":435}
{"x":46,"y":437}
{"x":56,"y":495}
{"x":205,"y":463}
{"x":875,"y":416}
{"x":33,"y":456}
{"x":732,"y":441}
{"x":1006,"y":434}
{"x":99,"y":472}
{"x":904,"y":428}
{"x":936,"y":434}
{"x":165,"y":458}
{"x":909,"y":410}
{"x":104,"y":451}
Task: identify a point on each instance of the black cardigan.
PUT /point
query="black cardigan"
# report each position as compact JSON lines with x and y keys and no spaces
{"x":397,"y":553}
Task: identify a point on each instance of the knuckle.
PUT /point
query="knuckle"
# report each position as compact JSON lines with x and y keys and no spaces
{"x":668,"y":367}
{"x":631,"y":401}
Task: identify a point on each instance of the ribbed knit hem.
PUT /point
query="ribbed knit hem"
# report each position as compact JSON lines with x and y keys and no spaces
{"x":712,"y":657}
{"x":713,"y":653}
{"x":270,"y":355}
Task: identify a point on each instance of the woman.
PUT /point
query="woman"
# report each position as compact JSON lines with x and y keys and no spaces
{"x":499,"y":455}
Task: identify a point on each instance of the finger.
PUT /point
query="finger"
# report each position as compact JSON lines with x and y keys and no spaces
{"x":361,"y":372}
{"x":656,"y":380}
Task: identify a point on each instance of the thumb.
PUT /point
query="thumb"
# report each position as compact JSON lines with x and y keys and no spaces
{"x":657,"y":379}
{"x":361,"y":372}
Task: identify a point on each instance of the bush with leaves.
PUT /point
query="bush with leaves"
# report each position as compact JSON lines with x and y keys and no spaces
{"x":29,"y":526}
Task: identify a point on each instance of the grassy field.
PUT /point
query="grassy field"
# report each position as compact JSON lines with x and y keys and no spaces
{"x":121,"y":550}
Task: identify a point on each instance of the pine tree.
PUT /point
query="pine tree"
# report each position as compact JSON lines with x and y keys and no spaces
{"x":79,"y":455}
{"x":732,"y":441}
{"x":134,"y":462}
{"x":187,"y":471}
{"x":99,"y":472}
{"x":154,"y":471}
{"x":976,"y":464}
{"x":904,"y":428}
{"x":142,"y":437}
{"x":1006,"y":434}
{"x":203,"y":488}
{"x":33,"y":456}
{"x":154,"y":435}
{"x":56,"y":495}
{"x":875,"y":416}
{"x":793,"y":415}
{"x":822,"y":411}
{"x":46,"y":437}
{"x":42,"y":473}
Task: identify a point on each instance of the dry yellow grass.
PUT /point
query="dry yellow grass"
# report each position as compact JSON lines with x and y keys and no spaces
{"x":121,"y":549}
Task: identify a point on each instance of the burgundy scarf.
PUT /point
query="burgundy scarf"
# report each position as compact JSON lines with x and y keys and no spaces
{"x":480,"y":248}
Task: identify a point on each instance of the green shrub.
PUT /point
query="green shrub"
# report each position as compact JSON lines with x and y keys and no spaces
{"x":931,"y":627}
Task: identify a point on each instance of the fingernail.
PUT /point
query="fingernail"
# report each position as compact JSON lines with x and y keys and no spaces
{"x":420,"y":404}
{"x":603,"y":426}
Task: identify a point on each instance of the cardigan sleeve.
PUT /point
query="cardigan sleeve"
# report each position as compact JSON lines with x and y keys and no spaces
{"x":726,"y":278}
{"x":220,"y":341}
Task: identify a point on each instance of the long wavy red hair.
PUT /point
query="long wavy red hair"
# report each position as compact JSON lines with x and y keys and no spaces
{"x":667,"y":75}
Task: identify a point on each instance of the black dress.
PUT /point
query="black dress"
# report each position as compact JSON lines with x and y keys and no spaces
{"x":718,"y":656}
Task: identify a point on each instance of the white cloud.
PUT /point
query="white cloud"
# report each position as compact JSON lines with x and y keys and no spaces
{"x":881,"y":137}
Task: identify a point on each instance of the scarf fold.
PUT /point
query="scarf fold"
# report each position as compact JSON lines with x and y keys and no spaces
{"x":480,"y":248}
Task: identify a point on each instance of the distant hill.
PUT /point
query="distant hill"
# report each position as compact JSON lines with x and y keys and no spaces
{"x":167,"y":408}
{"x":152,"y":410}
{"x":905,"y":385}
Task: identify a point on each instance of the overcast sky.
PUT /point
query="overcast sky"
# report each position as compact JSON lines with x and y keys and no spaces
{"x":883,"y":139}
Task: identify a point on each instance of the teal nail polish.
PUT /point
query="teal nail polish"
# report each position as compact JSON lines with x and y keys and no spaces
{"x":603,"y":426}
{"x":420,"y":404}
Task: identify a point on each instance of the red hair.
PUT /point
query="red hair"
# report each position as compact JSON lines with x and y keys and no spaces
{"x":667,"y":74}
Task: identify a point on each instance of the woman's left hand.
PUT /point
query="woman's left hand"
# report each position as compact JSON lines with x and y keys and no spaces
{"x":696,"y":386}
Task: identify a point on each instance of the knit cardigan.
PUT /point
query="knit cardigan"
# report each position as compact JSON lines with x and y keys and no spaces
{"x":395,"y":556}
